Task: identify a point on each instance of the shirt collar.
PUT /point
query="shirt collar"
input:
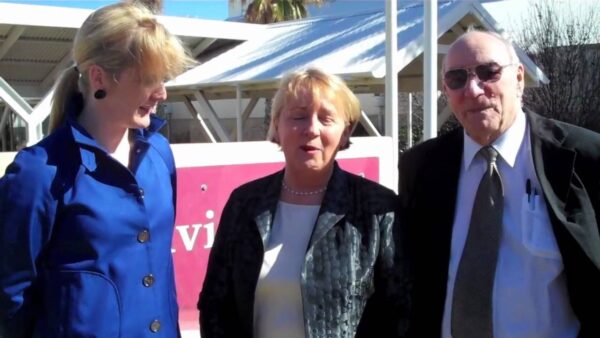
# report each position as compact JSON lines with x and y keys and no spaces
{"x":81,"y":136}
{"x":87,"y":142}
{"x":507,"y":144}
{"x":156,"y":123}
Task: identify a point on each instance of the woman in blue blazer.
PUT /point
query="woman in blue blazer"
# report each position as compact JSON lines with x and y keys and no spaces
{"x":88,"y":213}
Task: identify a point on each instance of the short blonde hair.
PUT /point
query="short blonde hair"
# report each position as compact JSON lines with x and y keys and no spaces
{"x":317,"y":82}
{"x":118,"y":37}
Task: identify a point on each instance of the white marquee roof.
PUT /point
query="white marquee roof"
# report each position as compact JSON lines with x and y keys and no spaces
{"x":352,"y":46}
{"x":35,"y":41}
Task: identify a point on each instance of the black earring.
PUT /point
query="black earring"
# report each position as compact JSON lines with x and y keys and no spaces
{"x":100,"y":94}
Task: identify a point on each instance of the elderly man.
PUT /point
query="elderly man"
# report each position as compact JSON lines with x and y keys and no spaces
{"x":503,"y":212}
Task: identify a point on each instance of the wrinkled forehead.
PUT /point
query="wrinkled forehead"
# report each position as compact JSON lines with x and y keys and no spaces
{"x":474,"y":49}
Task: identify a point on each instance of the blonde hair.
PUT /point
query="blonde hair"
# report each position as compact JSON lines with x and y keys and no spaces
{"x":118,"y":37}
{"x":318,"y":83}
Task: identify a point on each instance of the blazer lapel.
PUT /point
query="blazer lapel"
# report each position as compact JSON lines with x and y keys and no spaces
{"x":332,"y":210}
{"x":334,"y":206}
{"x":266,"y":207}
{"x":563,"y":189}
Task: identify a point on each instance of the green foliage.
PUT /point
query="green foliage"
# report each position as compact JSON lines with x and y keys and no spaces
{"x":269,"y":11}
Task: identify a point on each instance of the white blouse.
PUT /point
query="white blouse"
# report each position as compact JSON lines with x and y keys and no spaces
{"x":278,"y":308}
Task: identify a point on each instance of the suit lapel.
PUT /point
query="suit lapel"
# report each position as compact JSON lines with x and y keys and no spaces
{"x":553,"y":164}
{"x":443,"y":192}
{"x":563,"y":189}
{"x":433,"y":197}
{"x":443,"y":187}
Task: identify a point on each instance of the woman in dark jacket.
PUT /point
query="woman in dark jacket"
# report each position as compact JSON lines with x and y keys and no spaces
{"x":312,"y":250}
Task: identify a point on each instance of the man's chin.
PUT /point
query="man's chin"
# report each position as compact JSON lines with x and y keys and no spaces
{"x":483,"y":132}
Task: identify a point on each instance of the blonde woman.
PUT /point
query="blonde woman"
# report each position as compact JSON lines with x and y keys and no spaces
{"x":312,"y":250}
{"x":88,"y":213}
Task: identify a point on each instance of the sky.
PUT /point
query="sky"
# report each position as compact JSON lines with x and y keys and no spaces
{"x":203,"y":9}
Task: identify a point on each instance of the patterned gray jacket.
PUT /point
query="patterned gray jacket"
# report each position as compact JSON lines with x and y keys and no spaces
{"x":355,"y":280}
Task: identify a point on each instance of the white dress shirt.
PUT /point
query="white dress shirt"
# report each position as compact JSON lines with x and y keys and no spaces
{"x":530,"y":297}
{"x":278,"y":309}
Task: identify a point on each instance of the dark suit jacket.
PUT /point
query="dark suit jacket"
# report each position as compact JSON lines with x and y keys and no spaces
{"x":567,"y":163}
{"x":354,"y":277}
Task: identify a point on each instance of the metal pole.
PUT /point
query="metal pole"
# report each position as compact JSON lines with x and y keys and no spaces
{"x":391,"y":80}
{"x":238,"y":112}
{"x":409,"y":123}
{"x":11,"y":135}
{"x":430,"y":71}
{"x":3,"y":130}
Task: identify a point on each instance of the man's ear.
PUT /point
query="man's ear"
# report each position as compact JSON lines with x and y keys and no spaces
{"x":521,"y":78}
{"x":444,"y":89}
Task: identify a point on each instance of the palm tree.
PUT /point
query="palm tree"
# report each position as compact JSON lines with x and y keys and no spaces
{"x":270,"y":11}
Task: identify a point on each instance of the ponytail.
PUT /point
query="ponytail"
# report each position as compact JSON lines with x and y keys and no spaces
{"x":117,"y":37}
{"x":65,"y":87}
{"x":154,"y":6}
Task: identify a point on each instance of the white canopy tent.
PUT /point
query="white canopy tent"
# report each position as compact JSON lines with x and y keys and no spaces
{"x":352,"y":46}
{"x":35,"y":45}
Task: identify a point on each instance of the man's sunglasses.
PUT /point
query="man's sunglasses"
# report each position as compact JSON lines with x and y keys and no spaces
{"x":487,"y":72}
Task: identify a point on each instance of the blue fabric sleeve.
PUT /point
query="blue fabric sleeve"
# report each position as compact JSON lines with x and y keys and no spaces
{"x":28,"y":210}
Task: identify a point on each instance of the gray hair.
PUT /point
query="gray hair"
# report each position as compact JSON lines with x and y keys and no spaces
{"x":512,"y":53}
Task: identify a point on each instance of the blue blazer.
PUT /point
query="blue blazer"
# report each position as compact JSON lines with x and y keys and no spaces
{"x":85,"y":243}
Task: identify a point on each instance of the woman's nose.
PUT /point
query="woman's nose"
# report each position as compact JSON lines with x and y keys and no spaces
{"x":160,"y":93}
{"x":313,"y":126}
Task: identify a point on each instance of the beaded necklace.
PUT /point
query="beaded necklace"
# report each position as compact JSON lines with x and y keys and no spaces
{"x":302,"y":193}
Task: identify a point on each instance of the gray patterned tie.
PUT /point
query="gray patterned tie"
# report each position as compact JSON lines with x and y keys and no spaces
{"x":472,"y":298}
